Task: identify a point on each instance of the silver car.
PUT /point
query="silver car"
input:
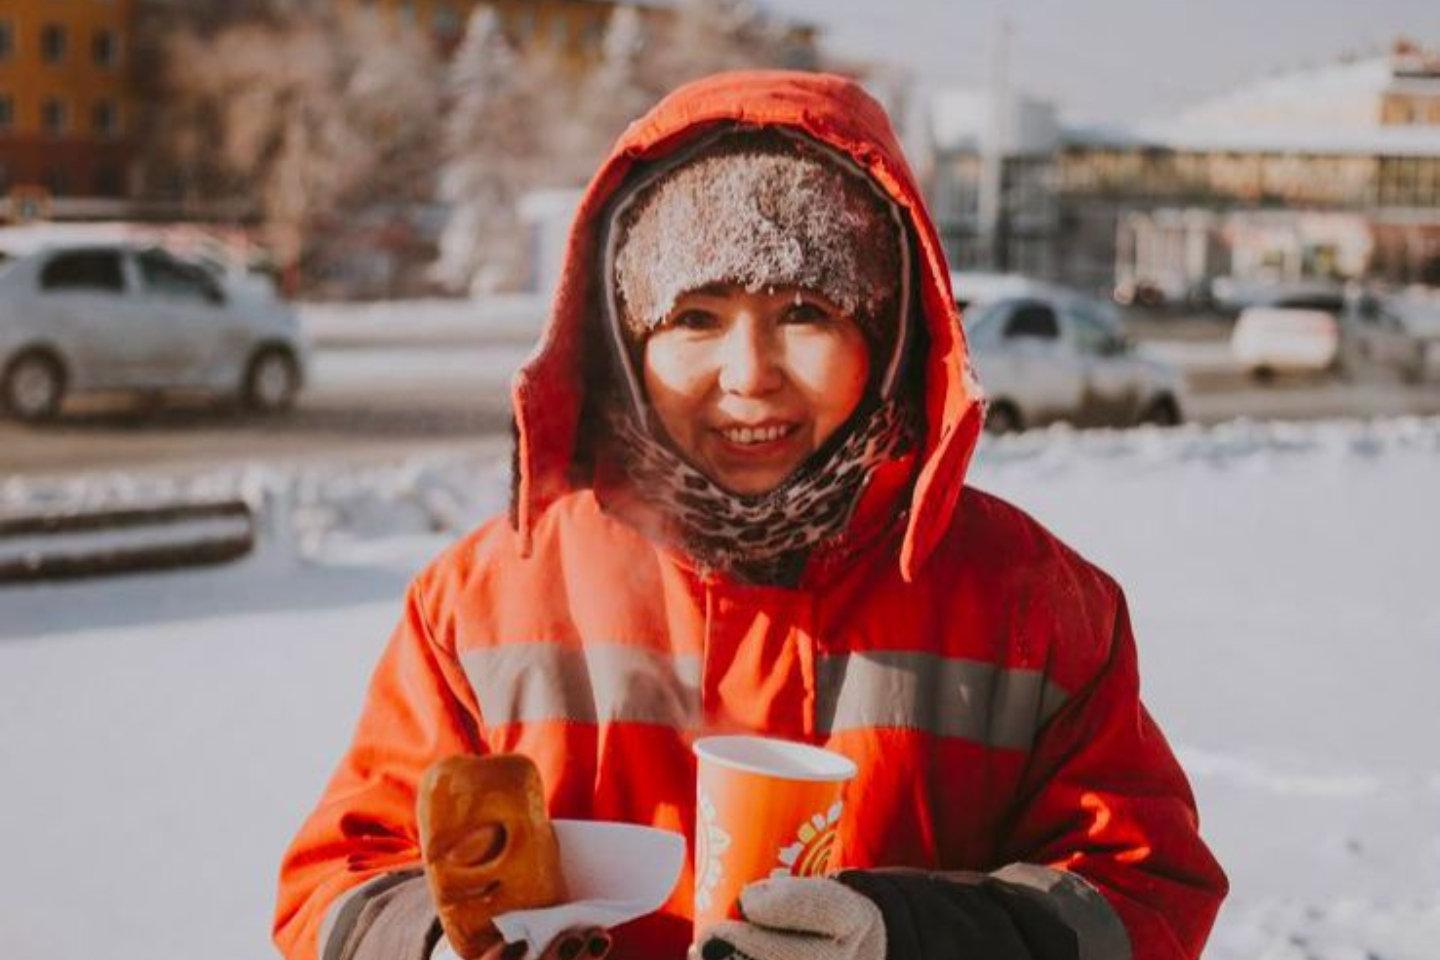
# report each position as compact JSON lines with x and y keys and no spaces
{"x":1054,"y":356}
{"x":104,"y":318}
{"x":1390,"y":335}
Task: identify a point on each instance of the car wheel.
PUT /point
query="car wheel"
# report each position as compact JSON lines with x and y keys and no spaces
{"x":271,"y":381}
{"x":1413,"y":370}
{"x":1003,"y":417}
{"x":34,"y":386}
{"x":1162,"y":412}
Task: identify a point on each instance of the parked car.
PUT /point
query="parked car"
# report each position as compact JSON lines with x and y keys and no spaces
{"x":980,"y":287}
{"x":1295,"y":333}
{"x":103,"y":318}
{"x":1058,"y":356}
{"x":1391,"y":334}
{"x":1231,"y":295}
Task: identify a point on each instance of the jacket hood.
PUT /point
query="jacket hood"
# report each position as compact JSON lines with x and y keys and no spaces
{"x":836,"y":113}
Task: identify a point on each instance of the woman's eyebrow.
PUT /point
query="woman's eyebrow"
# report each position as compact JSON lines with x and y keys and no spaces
{"x":713,"y":289}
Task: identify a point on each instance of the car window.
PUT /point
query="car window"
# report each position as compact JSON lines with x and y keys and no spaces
{"x":1330,"y":303}
{"x":981,"y":320}
{"x":1032,"y":321}
{"x":1092,"y":334}
{"x":168,"y":277}
{"x":83,"y":270}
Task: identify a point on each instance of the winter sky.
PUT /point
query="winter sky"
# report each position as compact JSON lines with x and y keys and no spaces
{"x":1115,"y":60}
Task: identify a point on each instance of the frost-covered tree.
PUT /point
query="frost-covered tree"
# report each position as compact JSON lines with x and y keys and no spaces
{"x":316,"y":118}
{"x":525,"y":120}
{"x":708,"y":36}
{"x":492,"y":137}
{"x":621,"y":87}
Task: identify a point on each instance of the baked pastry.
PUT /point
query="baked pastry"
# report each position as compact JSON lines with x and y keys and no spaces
{"x":488,"y":846}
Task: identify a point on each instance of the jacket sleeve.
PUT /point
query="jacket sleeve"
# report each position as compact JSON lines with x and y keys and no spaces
{"x":351,"y":883}
{"x":1105,"y":809}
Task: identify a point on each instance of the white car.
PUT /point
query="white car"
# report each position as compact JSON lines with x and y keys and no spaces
{"x":1391,"y":334}
{"x":1062,"y":357}
{"x":104,"y":318}
{"x":975,"y":288}
{"x":1299,"y":333}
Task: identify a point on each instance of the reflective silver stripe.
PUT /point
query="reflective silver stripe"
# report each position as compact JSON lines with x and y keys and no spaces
{"x":596,"y":683}
{"x":1099,"y":932}
{"x":947,"y":696}
{"x":343,"y":913}
{"x":616,"y":682}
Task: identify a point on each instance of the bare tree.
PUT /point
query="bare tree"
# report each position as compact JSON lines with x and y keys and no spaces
{"x":491,"y":136}
{"x":315,"y":117}
{"x":521,"y":121}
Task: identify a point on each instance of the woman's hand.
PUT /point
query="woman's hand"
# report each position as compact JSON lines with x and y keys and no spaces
{"x":798,"y":918}
{"x":578,"y":943}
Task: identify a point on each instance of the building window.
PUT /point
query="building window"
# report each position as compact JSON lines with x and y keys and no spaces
{"x":447,"y":20}
{"x":52,"y":43}
{"x":594,"y":33}
{"x":7,"y":40}
{"x":57,"y":181}
{"x":559,"y":31}
{"x":109,"y":182}
{"x":54,"y":117}
{"x":105,"y":48}
{"x":7,"y":112}
{"x":105,"y":118}
{"x":525,"y":25}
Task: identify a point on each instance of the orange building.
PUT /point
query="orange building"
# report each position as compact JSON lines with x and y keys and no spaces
{"x":574,"y":29}
{"x":64,"y":98}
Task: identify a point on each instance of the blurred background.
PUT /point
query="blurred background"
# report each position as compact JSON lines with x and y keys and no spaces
{"x":266,"y":269}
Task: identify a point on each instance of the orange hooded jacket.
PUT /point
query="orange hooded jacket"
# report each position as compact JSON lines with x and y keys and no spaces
{"x":981,"y":675}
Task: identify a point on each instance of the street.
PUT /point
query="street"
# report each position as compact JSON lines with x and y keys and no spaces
{"x":362,"y":403}
{"x":373,"y":400}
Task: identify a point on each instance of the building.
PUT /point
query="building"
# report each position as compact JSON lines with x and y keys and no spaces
{"x":65,"y":106}
{"x":574,"y":29}
{"x":1329,"y":173}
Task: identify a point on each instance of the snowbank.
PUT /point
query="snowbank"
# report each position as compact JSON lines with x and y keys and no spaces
{"x":163,"y":735}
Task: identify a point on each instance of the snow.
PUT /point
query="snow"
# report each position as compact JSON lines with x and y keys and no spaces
{"x":163,"y":735}
{"x":67,"y":544}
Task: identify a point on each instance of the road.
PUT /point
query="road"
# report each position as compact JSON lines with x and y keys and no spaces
{"x":372,"y":401}
{"x":362,"y":403}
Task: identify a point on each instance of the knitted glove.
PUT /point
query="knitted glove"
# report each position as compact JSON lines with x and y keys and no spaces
{"x":799,"y":918}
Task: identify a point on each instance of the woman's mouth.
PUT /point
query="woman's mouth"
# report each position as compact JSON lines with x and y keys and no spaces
{"x":759,"y":435}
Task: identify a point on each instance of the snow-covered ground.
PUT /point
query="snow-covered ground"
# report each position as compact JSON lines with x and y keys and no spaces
{"x":161,"y":736}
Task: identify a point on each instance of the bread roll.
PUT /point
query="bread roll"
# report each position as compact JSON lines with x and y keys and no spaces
{"x":489,"y":847}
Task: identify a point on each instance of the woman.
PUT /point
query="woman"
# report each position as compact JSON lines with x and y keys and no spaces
{"x":740,"y":505}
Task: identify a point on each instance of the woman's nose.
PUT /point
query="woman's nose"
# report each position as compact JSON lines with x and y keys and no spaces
{"x":750,"y":361}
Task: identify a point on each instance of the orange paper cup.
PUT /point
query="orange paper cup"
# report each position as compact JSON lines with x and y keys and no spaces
{"x":766,"y":808}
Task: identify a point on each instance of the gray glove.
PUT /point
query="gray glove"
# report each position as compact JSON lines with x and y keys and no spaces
{"x":799,"y":918}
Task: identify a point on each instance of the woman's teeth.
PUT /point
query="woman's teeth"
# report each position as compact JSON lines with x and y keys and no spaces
{"x":746,"y":435}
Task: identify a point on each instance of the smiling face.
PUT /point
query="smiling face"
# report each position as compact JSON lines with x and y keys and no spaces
{"x":748,"y":385}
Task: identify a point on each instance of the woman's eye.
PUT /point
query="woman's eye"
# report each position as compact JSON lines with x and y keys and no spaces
{"x":807,"y":313}
{"x":692,"y":320}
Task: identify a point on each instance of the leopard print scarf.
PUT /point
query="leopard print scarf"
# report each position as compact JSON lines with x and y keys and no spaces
{"x":762,"y":538}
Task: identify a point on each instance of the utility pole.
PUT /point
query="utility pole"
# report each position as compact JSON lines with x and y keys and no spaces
{"x":992,"y":151}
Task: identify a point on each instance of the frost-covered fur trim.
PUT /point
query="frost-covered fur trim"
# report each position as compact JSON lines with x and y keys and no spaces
{"x":761,"y":214}
{"x":764,"y":538}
